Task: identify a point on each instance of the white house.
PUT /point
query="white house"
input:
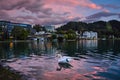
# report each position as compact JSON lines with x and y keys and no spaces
{"x":94,"y":35}
{"x":86,"y":34}
{"x":89,"y":35}
{"x":40,"y":33}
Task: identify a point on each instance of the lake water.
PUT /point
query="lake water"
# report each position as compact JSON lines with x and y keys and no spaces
{"x":94,"y":59}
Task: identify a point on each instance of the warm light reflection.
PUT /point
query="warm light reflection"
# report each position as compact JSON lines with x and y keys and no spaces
{"x":89,"y":43}
{"x":11,"y":45}
{"x":49,"y":45}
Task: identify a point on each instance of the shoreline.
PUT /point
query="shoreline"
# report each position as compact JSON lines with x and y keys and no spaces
{"x":17,"y":41}
{"x":65,"y":40}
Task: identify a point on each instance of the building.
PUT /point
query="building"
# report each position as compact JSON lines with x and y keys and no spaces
{"x":40,"y":33}
{"x":86,"y":34}
{"x":25,"y":26}
{"x":89,"y":35}
{"x":8,"y":26}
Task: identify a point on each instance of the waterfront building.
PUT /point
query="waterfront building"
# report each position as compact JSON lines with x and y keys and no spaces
{"x":25,"y":26}
{"x":40,"y":33}
{"x":8,"y":26}
{"x":89,"y":35}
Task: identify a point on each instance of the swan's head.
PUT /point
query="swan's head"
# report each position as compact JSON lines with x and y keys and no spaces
{"x":59,"y":55}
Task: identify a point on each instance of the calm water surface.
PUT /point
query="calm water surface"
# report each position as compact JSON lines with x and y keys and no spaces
{"x":95,"y":59}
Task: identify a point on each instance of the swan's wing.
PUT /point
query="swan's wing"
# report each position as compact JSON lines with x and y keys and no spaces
{"x":65,"y":59}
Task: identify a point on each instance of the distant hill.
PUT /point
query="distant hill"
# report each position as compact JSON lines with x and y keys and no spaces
{"x":100,"y":16}
{"x":103,"y":28}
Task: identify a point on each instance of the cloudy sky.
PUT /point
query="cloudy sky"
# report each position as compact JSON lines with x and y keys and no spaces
{"x":54,"y":12}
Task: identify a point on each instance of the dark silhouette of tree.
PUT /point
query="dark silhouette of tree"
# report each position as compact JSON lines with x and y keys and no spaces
{"x":38,"y":28}
{"x":19,"y":33}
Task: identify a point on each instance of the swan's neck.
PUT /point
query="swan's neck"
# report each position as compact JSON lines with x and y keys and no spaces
{"x":59,"y":56}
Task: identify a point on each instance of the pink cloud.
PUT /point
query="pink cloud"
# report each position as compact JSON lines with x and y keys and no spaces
{"x":94,"y":6}
{"x":61,"y":6}
{"x":73,"y":3}
{"x":45,"y":11}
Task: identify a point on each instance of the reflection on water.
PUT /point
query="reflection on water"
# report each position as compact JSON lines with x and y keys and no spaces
{"x":64,"y":66}
{"x":98,"y":60}
{"x":89,"y":43}
{"x":21,"y":49}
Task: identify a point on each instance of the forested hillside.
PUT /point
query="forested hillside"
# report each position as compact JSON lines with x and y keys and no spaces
{"x":103,"y":28}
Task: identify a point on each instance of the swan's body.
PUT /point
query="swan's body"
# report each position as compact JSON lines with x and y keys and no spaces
{"x":63,"y":59}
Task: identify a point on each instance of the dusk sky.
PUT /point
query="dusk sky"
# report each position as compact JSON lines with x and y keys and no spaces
{"x":55,"y":12}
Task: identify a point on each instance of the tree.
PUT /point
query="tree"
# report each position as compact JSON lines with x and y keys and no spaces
{"x":65,"y":36}
{"x":19,"y":33}
{"x":60,"y":32}
{"x":70,"y":31}
{"x":109,"y":27}
{"x":71,"y":34}
{"x":0,"y":29}
{"x":0,"y":33}
{"x":38,"y":28}
{"x":4,"y":35}
{"x":54,"y":36}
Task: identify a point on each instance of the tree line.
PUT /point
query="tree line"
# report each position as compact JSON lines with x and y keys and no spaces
{"x":104,"y":29}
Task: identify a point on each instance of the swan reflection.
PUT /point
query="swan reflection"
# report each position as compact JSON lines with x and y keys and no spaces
{"x":63,"y":65}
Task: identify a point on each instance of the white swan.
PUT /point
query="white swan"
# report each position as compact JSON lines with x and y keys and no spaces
{"x":63,"y":59}
{"x":63,"y":62}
